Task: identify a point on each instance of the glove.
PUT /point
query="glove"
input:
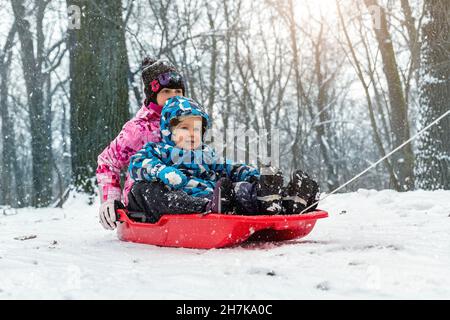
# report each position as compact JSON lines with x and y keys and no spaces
{"x":107,"y":213}
{"x":173,"y":178}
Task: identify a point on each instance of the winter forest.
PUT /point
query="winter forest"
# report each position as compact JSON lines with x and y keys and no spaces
{"x":354,"y":92}
{"x":344,"y":82}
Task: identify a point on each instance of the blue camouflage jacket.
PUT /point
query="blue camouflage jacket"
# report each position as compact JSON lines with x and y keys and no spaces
{"x":193,"y":171}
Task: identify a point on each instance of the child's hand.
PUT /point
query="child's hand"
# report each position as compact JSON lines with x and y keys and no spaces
{"x":173,"y":178}
{"x":107,"y":213}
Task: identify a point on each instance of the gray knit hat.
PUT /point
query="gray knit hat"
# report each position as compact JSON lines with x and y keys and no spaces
{"x":159,"y":74}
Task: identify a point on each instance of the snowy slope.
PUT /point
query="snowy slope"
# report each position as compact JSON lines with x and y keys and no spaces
{"x":385,"y":245}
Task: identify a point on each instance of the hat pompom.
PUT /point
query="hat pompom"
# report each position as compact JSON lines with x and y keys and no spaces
{"x":147,"y":61}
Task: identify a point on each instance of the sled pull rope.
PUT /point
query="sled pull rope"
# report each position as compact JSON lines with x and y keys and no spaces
{"x":385,"y":157}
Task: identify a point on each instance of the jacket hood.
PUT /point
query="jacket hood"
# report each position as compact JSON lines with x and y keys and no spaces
{"x":177,"y":107}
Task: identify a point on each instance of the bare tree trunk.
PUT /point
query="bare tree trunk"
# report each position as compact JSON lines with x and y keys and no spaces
{"x":373,"y":123}
{"x":39,"y":123}
{"x":296,"y":148}
{"x":414,"y":42}
{"x":227,"y":111}
{"x":433,"y":160}
{"x":403,"y":160}
{"x":322,"y":129}
{"x":99,"y":87}
{"x":7,"y":127}
{"x":214,"y":54}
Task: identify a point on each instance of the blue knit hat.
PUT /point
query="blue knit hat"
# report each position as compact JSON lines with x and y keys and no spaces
{"x":177,"y":107}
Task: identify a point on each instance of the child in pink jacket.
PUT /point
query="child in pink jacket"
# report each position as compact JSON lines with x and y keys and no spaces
{"x":161,"y":82}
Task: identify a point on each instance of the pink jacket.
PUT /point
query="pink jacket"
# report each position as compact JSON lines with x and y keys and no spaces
{"x":143,"y":128}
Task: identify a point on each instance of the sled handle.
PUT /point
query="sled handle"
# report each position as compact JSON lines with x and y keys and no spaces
{"x":121,"y":215}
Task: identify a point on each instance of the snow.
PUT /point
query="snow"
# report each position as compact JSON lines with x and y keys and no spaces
{"x":429,"y":79}
{"x":374,"y":245}
{"x":173,"y":178}
{"x":275,"y":207}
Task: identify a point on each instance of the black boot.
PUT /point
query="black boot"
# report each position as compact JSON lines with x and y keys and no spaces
{"x":300,"y":193}
{"x":148,"y":201}
{"x":223,"y":199}
{"x":269,"y":191}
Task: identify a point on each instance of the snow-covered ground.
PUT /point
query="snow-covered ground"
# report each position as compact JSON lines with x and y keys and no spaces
{"x":374,"y":245}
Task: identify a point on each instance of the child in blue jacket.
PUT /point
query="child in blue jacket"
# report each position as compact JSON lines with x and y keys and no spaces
{"x":182,"y":174}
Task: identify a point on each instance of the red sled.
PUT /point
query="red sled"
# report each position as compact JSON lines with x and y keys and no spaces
{"x":216,"y":230}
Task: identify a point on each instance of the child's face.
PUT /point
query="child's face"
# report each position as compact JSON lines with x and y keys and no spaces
{"x":188,"y":133}
{"x":166,"y":93}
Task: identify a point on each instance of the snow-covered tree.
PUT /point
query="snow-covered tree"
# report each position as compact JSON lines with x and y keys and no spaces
{"x":433,"y":158}
{"x":33,"y":57}
{"x":99,"y":85}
